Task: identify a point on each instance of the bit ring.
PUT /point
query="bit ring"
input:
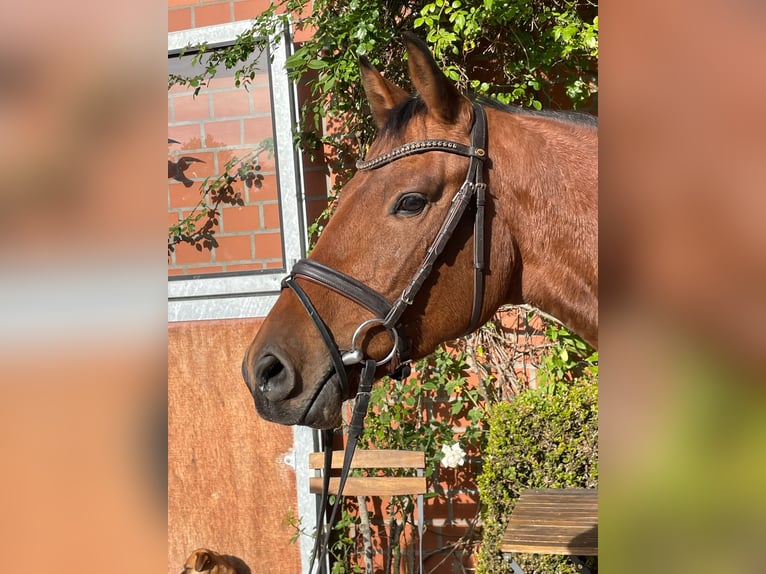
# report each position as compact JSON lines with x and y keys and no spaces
{"x":391,"y":332}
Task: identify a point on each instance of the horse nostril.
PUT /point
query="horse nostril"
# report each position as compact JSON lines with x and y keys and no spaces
{"x":270,"y":371}
{"x":273,"y":378}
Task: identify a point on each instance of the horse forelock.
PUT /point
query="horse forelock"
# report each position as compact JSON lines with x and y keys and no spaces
{"x":401,"y":115}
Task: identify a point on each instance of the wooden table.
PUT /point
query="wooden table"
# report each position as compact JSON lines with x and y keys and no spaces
{"x":560,"y":521}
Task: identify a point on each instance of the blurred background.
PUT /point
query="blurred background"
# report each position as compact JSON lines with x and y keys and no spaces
{"x":82,"y":297}
{"x":84,"y":271}
{"x":683,"y":300}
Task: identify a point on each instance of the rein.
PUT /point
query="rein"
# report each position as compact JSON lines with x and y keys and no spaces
{"x":387,"y":314}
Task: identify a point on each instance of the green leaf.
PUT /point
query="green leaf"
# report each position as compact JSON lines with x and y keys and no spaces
{"x":318,"y":64}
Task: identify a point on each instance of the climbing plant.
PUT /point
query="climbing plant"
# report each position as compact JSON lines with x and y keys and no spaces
{"x":539,"y":53}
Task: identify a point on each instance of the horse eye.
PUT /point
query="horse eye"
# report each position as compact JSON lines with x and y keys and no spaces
{"x":410,"y":204}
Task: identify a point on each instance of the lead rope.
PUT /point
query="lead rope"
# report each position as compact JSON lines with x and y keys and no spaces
{"x":324,"y":529}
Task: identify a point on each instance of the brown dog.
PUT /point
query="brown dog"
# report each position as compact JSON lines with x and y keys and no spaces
{"x":204,"y":560}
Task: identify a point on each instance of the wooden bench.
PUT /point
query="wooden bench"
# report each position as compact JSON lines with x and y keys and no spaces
{"x":553,"y":521}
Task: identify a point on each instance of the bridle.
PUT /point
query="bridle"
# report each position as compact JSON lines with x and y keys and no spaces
{"x":386,"y":314}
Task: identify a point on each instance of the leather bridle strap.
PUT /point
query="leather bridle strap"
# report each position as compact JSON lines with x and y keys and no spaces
{"x":327,"y":338}
{"x":342,"y":284}
{"x":421,"y":146}
{"x":473,"y":187}
{"x":362,"y":295}
{"x":324,"y":529}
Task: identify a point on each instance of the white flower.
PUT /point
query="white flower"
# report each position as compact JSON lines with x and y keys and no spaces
{"x":454,"y":456}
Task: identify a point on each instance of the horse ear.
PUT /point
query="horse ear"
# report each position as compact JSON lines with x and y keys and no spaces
{"x":382,"y":94}
{"x":440,"y":95}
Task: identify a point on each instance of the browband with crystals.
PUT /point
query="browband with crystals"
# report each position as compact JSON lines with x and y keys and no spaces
{"x":420,"y":147}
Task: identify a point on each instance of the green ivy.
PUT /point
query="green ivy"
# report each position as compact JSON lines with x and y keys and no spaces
{"x":402,"y":416}
{"x":540,"y":54}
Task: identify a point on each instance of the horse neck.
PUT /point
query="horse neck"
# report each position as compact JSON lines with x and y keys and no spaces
{"x":546,"y":181}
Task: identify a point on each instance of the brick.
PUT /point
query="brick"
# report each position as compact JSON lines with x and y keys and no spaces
{"x":268,"y":246}
{"x":186,"y":255}
{"x":172,"y":272}
{"x":271,"y":217}
{"x":303,"y":32}
{"x":266,"y":192}
{"x":258,"y":129}
{"x":248,"y":9}
{"x":439,"y":563}
{"x":179,"y":3}
{"x":188,"y":135}
{"x":189,"y":108}
{"x":233,"y":102}
{"x":194,"y":165}
{"x":233,"y":248}
{"x":431,"y":540}
{"x":179,"y":19}
{"x":274,"y":265}
{"x":212,"y":14}
{"x":268,"y":162}
{"x":451,"y":531}
{"x":437,"y":508}
{"x":260,"y":96}
{"x":464,"y":511}
{"x":244,"y":267}
{"x":206,"y":270}
{"x":226,"y":155}
{"x":180,"y":90}
{"x":223,"y":133}
{"x":182,"y":196}
{"x":315,"y":184}
{"x":245,"y":218}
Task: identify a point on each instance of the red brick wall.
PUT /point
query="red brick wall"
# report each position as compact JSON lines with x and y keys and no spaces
{"x":185,"y":14}
{"x":223,"y":122}
{"x":220,"y":122}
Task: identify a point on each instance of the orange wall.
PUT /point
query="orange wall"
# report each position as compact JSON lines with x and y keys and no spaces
{"x":229,"y":488}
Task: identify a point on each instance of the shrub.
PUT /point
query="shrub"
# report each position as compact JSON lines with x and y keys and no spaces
{"x":540,"y":440}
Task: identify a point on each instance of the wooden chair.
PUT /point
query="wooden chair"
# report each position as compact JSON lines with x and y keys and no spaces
{"x":560,"y":521}
{"x":377,"y":485}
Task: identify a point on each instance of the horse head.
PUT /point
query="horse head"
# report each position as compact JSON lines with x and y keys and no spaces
{"x":387,"y":218}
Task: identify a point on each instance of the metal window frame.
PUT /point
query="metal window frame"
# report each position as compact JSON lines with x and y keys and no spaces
{"x":249,"y":294}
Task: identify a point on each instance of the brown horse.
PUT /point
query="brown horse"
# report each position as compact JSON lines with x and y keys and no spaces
{"x":538,"y":236}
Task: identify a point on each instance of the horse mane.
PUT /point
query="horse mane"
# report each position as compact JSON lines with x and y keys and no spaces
{"x":403,"y":112}
{"x":568,"y":116}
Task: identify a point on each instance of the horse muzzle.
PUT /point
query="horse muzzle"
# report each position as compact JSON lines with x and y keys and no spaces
{"x":279,"y":395}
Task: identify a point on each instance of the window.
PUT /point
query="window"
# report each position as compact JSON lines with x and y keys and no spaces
{"x":260,"y":237}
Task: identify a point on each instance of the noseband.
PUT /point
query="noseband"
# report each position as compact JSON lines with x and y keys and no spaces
{"x":385,"y":313}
